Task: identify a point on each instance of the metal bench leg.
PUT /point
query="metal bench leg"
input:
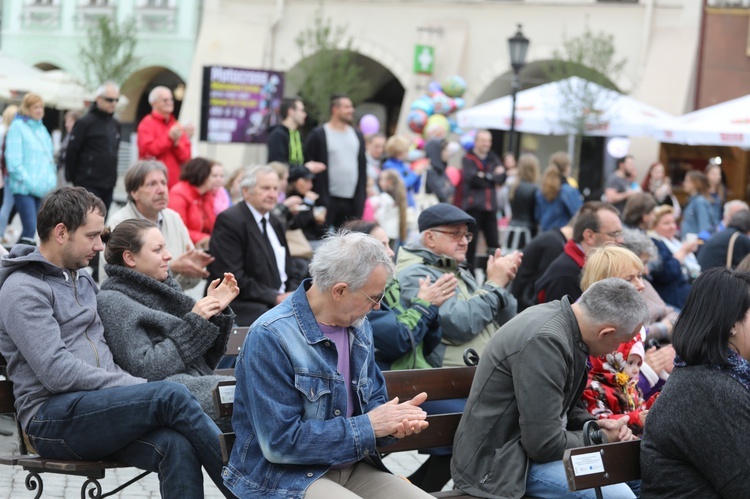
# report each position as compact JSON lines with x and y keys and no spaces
{"x":115,"y":491}
{"x":33,"y":480}
{"x":95,"y":490}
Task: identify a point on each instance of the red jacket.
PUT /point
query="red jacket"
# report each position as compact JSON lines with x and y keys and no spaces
{"x":154,"y":142}
{"x":196,"y":210}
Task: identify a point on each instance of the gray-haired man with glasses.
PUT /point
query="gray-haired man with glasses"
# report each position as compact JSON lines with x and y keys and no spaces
{"x":470,"y":318}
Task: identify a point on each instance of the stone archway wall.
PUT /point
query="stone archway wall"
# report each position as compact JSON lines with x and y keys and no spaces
{"x":372,"y":51}
{"x":135,"y":86}
{"x":532,"y":75}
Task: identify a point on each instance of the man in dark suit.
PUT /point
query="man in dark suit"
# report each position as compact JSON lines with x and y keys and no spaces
{"x":249,"y":242}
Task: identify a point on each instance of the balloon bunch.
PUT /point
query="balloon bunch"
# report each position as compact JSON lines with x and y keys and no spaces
{"x":429,"y":115}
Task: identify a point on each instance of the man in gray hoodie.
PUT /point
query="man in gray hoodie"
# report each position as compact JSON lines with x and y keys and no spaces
{"x":73,"y":401}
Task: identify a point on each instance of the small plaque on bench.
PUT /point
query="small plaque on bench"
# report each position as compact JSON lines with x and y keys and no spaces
{"x":226,"y":394}
{"x":587,"y":464}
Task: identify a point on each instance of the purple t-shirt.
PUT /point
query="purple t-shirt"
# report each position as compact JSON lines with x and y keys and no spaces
{"x":340,"y":337}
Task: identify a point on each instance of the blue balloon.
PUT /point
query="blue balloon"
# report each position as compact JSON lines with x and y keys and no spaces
{"x":434,"y":87}
{"x":467,"y":140}
{"x":423,"y":104}
{"x":454,"y":126}
{"x":459,"y":103}
{"x":441,"y":104}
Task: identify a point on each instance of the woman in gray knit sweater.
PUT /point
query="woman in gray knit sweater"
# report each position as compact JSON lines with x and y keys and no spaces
{"x":154,"y":330}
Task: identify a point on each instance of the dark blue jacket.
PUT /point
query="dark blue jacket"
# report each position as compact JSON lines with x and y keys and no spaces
{"x":408,"y":333}
{"x":668,"y":279}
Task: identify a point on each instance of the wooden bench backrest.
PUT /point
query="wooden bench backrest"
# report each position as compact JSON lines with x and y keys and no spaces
{"x":234,"y":345}
{"x":439,"y":384}
{"x":236,"y":340}
{"x":601,"y":465}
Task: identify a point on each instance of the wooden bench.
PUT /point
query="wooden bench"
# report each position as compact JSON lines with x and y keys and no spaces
{"x":439,"y":384}
{"x":234,"y":344}
{"x":93,"y":471}
{"x":597,"y":466}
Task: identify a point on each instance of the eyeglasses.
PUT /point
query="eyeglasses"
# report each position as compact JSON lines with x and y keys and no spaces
{"x":111,"y":100}
{"x":614,"y":235}
{"x":457,"y":236}
{"x":375,"y":300}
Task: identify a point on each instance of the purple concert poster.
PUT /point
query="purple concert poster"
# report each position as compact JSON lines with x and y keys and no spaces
{"x":239,"y":104}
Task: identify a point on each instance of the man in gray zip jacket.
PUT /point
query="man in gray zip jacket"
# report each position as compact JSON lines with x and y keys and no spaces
{"x":523,"y":409}
{"x":474,"y":314}
{"x":73,"y":401}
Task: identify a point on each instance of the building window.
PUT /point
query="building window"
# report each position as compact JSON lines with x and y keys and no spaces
{"x":41,"y":14}
{"x":89,"y":11}
{"x":156,"y":15}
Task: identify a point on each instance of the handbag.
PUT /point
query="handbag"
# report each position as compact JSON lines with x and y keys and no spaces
{"x":423,"y":200}
{"x":730,"y":250}
{"x":299,"y":246}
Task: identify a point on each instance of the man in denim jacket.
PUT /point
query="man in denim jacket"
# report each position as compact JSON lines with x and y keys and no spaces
{"x":311,"y":404}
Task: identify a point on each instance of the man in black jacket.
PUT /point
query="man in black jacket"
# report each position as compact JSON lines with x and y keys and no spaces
{"x":716,"y":250}
{"x":341,"y":147}
{"x":91,"y":159}
{"x":596,"y":224}
{"x":482,"y":172}
{"x":284,"y":144}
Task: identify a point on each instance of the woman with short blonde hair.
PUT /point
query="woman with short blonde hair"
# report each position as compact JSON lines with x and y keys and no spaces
{"x":612,"y":261}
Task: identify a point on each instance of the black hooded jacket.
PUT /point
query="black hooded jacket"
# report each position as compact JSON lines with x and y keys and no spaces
{"x":437,"y":180}
{"x":91,"y":158}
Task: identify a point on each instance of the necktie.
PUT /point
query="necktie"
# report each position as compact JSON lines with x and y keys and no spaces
{"x":271,"y":253}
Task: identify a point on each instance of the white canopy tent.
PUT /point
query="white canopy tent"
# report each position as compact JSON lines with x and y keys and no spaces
{"x":549,"y":110}
{"x":724,"y":124}
{"x":58,"y":89}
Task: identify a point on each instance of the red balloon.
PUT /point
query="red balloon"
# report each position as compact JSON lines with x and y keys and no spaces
{"x":454,"y":175}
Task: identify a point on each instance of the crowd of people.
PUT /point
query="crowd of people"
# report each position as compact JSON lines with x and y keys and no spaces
{"x":346,"y":260}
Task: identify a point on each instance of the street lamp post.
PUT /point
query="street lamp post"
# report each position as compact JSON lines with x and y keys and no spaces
{"x":517,"y":45}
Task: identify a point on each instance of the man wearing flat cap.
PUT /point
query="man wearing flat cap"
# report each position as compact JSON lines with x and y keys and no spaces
{"x":475,"y":313}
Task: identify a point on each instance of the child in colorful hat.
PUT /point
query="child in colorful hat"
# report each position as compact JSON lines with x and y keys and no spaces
{"x":612,"y":390}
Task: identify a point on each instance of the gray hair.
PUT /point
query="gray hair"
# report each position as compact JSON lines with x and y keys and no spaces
{"x":104,"y":86}
{"x":740,"y":221}
{"x":639,"y":243}
{"x":136,"y":174}
{"x":729,"y":205}
{"x":250,"y":177}
{"x":348,"y":257}
{"x":615,"y":302}
{"x":154,"y":93}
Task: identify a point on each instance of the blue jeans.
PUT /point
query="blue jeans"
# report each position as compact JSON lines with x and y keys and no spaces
{"x":156,"y":426}
{"x":7,"y":207}
{"x":548,"y":480}
{"x":27,"y":207}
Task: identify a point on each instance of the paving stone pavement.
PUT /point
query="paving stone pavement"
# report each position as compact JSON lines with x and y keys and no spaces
{"x":12,"y":478}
